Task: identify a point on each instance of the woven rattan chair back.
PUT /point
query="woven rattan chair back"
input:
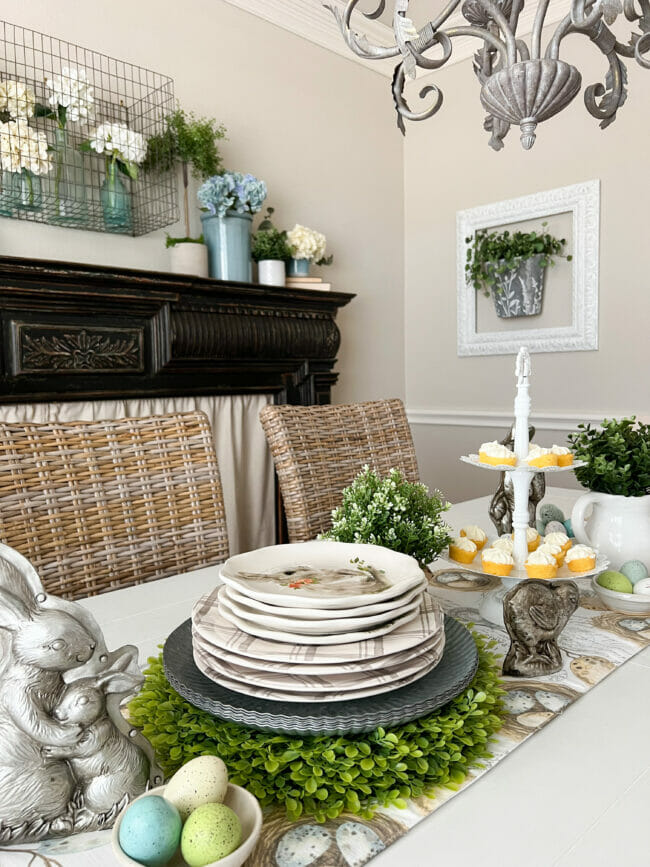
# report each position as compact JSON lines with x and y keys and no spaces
{"x":106,"y":504}
{"x":318,"y":451}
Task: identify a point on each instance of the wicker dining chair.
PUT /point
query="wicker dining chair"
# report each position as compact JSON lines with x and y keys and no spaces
{"x":318,"y":451}
{"x":106,"y":504}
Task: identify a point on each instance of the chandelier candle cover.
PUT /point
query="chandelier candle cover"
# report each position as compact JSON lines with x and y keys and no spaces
{"x":519,"y":84}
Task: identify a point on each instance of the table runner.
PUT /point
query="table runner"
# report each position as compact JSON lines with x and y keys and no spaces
{"x":595,"y":642}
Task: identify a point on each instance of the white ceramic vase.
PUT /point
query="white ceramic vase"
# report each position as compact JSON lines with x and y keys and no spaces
{"x":189,"y":258}
{"x":618,"y":526}
{"x":271,"y":272}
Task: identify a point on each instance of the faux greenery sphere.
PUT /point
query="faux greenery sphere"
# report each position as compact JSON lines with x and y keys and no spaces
{"x":324,"y":776}
{"x":394,"y":513}
{"x":617,"y":456}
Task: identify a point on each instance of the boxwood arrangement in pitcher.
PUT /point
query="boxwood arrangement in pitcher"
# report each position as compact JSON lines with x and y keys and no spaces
{"x":512,"y":267}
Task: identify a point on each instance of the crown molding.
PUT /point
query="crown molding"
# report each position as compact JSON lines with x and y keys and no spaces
{"x":310,"y":20}
{"x":555,"y":421}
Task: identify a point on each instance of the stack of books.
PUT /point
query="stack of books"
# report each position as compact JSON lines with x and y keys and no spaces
{"x":308,"y":283}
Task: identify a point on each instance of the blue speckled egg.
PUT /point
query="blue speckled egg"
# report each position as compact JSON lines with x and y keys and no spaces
{"x":540,"y":526}
{"x":150,"y":831}
{"x":635,"y":570}
{"x":569,"y":528}
{"x":550,"y":512}
{"x":554,"y":527}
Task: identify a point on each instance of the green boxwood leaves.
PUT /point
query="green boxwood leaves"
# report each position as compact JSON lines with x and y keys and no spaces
{"x":324,"y":776}
{"x":617,"y":456}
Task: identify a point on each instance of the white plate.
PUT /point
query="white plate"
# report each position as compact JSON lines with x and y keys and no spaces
{"x":252,"y":664}
{"x":296,"y":679}
{"x":263,"y":574}
{"x":627,"y":603}
{"x":204,"y":666}
{"x":327,"y":613}
{"x":315,"y":627}
{"x":279,"y":635}
{"x":224,"y":634}
{"x":508,"y":468}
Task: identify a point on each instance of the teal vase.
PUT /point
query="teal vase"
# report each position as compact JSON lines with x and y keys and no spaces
{"x":116,"y":201}
{"x":26,"y":189}
{"x":298,"y":267}
{"x":6,"y":195}
{"x":228,"y":240}
{"x":68,"y":177}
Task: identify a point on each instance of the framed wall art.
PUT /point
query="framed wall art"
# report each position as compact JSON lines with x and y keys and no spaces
{"x":529,"y":301}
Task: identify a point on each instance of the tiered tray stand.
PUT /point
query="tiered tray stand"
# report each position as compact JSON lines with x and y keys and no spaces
{"x":521,"y":474}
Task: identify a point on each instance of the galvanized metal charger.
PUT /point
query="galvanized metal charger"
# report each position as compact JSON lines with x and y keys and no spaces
{"x":448,"y":679}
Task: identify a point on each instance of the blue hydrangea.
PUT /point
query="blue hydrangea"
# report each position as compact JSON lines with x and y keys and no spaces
{"x":232,"y":192}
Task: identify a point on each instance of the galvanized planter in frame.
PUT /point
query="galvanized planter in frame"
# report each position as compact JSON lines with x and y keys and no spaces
{"x":519,"y":290}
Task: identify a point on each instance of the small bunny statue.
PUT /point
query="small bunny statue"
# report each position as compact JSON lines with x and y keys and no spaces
{"x":60,"y":723}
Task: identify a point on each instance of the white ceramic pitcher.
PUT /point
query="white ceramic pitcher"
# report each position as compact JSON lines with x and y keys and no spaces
{"x":618,"y":526}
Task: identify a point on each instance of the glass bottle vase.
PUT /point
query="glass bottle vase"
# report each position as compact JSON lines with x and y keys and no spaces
{"x":26,"y":190}
{"x":68,"y":175}
{"x":7,"y":204}
{"x":116,"y":200}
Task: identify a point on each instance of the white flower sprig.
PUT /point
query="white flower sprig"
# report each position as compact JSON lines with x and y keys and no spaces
{"x":22,"y":147}
{"x":306,"y":243}
{"x":71,"y":97}
{"x":17,"y":99}
{"x":122,"y":145}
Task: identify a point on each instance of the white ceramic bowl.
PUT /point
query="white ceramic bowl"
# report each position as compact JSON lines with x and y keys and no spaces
{"x":627,"y":603}
{"x":242,"y":802}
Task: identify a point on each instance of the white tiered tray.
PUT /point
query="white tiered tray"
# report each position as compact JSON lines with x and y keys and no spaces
{"x":519,"y":572}
{"x":521,"y":465}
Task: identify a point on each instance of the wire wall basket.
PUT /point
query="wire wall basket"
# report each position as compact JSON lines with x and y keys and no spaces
{"x":73,"y":137}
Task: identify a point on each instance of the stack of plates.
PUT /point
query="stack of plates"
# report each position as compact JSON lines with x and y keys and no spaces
{"x":319,"y":621}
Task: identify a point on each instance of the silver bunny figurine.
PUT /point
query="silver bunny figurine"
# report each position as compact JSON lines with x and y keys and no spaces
{"x":502,"y":504}
{"x":52,"y":650}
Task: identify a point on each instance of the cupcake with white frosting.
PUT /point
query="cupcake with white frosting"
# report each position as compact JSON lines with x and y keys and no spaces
{"x":564,"y":455}
{"x":541,"y":564}
{"x":462,"y":550}
{"x":560,"y":539}
{"x":504,"y":543}
{"x":532,"y":538}
{"x":496,"y":561}
{"x":476,"y":534}
{"x":555,"y":550}
{"x":540,"y":457}
{"x":496,"y":453}
{"x":581,"y":558}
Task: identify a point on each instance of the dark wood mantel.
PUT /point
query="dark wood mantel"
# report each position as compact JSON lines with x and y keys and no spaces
{"x":72,"y":331}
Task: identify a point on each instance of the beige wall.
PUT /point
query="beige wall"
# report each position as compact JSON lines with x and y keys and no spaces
{"x":314,"y":125}
{"x":449,"y":167}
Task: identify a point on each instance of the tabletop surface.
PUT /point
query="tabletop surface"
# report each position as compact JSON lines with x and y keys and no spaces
{"x":575,"y":794}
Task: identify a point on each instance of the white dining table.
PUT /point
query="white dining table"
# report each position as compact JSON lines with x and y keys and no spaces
{"x":576,"y":794}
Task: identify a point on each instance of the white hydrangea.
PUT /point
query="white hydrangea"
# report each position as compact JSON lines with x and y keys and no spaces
{"x":22,"y":147}
{"x":118,"y":140}
{"x":306,"y":243}
{"x":73,"y":91}
{"x":17,"y":98}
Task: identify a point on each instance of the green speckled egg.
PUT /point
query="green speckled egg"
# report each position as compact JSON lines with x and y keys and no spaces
{"x":635,"y":570}
{"x":211,"y":832}
{"x":613,"y":580}
{"x":540,"y":526}
{"x":549,"y":512}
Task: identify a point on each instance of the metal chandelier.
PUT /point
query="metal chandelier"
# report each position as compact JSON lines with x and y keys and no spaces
{"x":519,"y":84}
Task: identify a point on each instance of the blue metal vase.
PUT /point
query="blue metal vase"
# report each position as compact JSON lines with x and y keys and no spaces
{"x":228,"y":240}
{"x":298,"y":267}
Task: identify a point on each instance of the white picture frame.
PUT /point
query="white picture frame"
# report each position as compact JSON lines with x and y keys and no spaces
{"x":582,"y":201}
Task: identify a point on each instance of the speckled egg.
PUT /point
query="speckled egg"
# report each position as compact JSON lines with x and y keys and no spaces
{"x":635,"y":570}
{"x":150,"y":831}
{"x":554,"y":527}
{"x":569,"y":528}
{"x":613,"y":580}
{"x":203,"y":780}
{"x":540,"y":527}
{"x":642,"y":587}
{"x":549,"y":512}
{"x":211,"y":832}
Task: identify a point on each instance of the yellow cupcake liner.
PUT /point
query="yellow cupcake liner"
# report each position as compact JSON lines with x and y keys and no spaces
{"x":495,"y":462}
{"x":541,"y":570}
{"x":500,"y":569}
{"x":460,"y":555}
{"x":544,"y":461}
{"x":582,"y":564}
{"x":534,"y":545}
{"x":564,"y":460}
{"x":478,"y":544}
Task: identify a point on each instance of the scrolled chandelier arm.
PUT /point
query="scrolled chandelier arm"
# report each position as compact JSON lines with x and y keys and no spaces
{"x":519,"y":84}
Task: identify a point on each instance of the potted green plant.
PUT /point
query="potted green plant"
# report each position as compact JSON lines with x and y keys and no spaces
{"x":192,"y":143}
{"x":306,"y":246}
{"x":512,"y":267}
{"x":401,"y":515}
{"x":269,"y":248}
{"x":617,"y":474}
